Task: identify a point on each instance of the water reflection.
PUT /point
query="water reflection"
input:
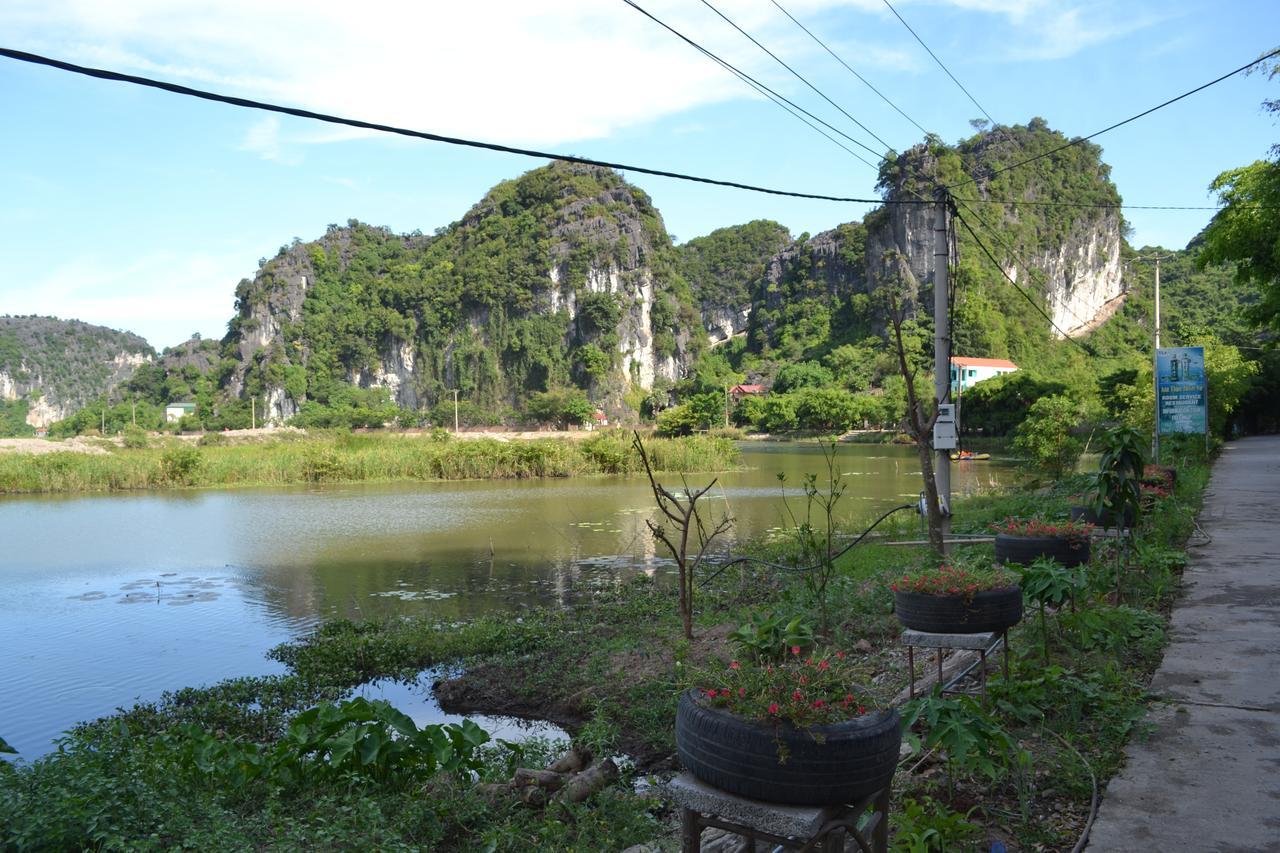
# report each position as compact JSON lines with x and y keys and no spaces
{"x":212,"y":579}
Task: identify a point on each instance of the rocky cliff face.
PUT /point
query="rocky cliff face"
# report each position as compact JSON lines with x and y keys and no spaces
{"x":59,"y":366}
{"x":563,"y":276}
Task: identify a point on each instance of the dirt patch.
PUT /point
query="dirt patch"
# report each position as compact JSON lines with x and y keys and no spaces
{"x":48,"y":445}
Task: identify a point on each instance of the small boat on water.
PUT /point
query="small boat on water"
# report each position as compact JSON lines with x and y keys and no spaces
{"x":969,"y":456}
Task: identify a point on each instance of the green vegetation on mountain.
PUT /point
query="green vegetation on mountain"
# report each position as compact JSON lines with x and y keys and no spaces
{"x":481,"y":304}
{"x":66,"y":362}
{"x":722,"y":266}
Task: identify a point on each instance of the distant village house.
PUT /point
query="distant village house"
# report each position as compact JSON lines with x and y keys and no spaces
{"x":737,"y":392}
{"x":174,"y":411}
{"x":967,"y":372}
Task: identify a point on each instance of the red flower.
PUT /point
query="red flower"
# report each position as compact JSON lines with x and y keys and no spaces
{"x":773,"y":708}
{"x":840,"y":655}
{"x":797,"y":695}
{"x":824,"y":665}
{"x":735,"y":665}
{"x":818,"y":703}
{"x":795,"y":650}
{"x":724,"y":692}
{"x":742,"y":692}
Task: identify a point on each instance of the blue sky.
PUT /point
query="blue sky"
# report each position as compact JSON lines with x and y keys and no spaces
{"x":141,"y":210}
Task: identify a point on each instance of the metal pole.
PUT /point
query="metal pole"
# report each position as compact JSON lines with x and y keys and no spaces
{"x":726,"y":407}
{"x":942,"y":352}
{"x":1155,"y":370}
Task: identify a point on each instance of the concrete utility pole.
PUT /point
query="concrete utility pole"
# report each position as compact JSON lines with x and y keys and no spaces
{"x":253,"y":413}
{"x":1155,"y":372}
{"x":455,"y":411}
{"x":726,"y":407}
{"x":942,"y":351}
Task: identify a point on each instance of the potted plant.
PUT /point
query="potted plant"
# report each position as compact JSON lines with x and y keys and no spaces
{"x":799,"y":732}
{"x":958,"y":598}
{"x":1021,"y":540}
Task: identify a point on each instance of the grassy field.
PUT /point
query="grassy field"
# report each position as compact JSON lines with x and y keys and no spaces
{"x":350,"y":457}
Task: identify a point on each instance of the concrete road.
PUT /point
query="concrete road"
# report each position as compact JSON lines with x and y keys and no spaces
{"x":1208,"y":776}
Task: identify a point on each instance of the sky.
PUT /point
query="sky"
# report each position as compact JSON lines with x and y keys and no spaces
{"x":141,"y":210}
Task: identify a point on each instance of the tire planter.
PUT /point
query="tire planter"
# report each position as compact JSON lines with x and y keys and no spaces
{"x":1107,"y":519}
{"x":991,"y":610}
{"x":1025,"y":549}
{"x":825,"y":765}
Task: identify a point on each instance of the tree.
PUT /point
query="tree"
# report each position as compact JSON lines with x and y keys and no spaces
{"x":1045,"y":437}
{"x":1246,"y":231}
{"x":804,"y":374}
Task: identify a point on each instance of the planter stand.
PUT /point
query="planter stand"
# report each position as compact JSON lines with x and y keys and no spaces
{"x":983,"y":644}
{"x":803,"y":828}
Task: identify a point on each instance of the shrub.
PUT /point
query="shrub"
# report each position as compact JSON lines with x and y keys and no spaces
{"x":180,"y":465}
{"x":135,"y":438}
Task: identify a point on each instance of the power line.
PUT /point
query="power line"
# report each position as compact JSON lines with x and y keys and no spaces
{"x":837,"y":58}
{"x":216,"y":97}
{"x":1110,"y":205}
{"x":174,"y":88}
{"x":1087,"y":349}
{"x":768,"y":93}
{"x":1081,"y":139}
{"x":745,"y":75}
{"x":798,"y":76}
{"x":941,"y":65}
{"x":1018,"y":256}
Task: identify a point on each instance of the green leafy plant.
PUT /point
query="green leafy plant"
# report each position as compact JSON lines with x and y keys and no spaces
{"x":1045,"y":438}
{"x":771,"y":637}
{"x":973,"y":741}
{"x":928,"y":826}
{"x":360,"y":737}
{"x":1047,"y":582}
{"x":1116,"y":486}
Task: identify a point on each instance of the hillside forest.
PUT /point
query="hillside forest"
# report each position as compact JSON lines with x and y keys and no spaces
{"x":560,"y":298}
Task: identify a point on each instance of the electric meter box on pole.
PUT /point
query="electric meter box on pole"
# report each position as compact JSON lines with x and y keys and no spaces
{"x":944,"y":428}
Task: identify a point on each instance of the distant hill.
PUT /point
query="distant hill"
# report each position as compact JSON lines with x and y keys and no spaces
{"x":50,"y":368}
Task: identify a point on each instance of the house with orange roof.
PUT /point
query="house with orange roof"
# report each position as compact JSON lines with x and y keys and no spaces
{"x":967,"y":372}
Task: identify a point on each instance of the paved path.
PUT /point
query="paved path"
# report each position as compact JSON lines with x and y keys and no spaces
{"x":1208,"y":777}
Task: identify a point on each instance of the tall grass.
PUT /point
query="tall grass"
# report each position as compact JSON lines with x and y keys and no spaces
{"x":347,"y":457}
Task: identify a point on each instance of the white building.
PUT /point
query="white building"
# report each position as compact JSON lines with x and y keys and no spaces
{"x":967,"y":372}
{"x":174,"y":411}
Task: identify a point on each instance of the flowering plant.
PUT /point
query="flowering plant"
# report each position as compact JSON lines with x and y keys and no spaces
{"x":1158,"y":489}
{"x":805,"y":691}
{"x":949,"y":579}
{"x":1012,"y":526}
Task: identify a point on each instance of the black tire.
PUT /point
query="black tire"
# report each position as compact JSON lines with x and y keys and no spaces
{"x":991,"y":610}
{"x":1087,"y":515}
{"x":1025,"y":549}
{"x":825,"y":765}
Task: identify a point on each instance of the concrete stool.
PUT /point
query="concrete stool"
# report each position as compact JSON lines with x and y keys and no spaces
{"x":801,"y":828}
{"x":983,"y":644}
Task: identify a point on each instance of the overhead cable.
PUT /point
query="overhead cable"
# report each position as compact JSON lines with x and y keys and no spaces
{"x":1087,"y":349}
{"x":748,"y":77}
{"x":837,"y":58}
{"x":940,"y":64}
{"x":103,"y":74}
{"x":216,"y":97}
{"x":798,"y":76}
{"x":1081,"y":139}
{"x":1008,"y":247}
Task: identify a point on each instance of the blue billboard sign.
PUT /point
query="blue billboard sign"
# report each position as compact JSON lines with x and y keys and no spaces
{"x":1181,"y":394}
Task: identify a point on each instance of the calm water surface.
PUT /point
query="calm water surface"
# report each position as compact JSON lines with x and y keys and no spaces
{"x":116,"y":598}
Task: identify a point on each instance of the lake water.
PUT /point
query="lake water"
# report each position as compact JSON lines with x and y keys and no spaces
{"x":110,"y":599}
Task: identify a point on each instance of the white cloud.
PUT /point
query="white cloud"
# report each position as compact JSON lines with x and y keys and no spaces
{"x":163,"y":296}
{"x":532,"y":73}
